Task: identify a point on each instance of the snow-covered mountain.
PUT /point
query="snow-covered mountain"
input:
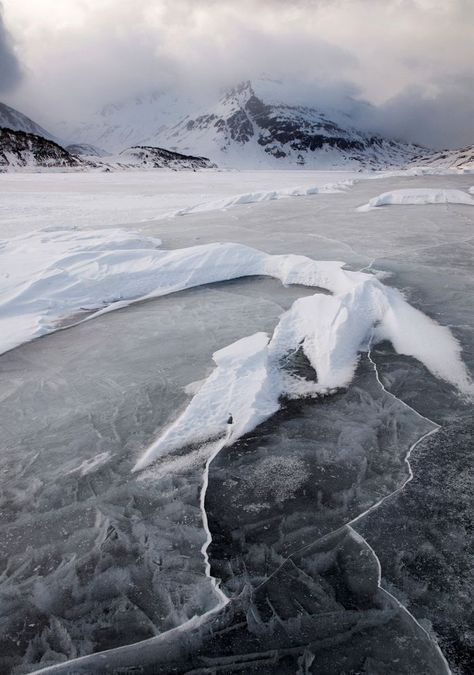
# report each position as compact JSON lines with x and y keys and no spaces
{"x":149,"y":157}
{"x":19,"y":149}
{"x":13,"y":119}
{"x":448,"y":159}
{"x":250,"y":125}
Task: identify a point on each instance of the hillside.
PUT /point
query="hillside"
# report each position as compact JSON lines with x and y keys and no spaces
{"x":448,"y":159}
{"x":19,"y":149}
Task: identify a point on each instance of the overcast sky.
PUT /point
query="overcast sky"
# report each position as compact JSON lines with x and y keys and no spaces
{"x":414,"y":59}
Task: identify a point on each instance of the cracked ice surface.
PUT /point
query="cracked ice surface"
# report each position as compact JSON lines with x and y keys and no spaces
{"x":95,"y":557}
{"x":250,"y":380}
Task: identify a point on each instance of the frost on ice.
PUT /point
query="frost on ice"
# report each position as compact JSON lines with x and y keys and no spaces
{"x":418,"y":196}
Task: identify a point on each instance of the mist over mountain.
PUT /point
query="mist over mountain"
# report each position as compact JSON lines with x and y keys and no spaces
{"x":17,"y":121}
{"x":259,"y":123}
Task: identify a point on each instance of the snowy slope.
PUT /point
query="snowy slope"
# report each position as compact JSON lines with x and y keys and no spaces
{"x":120,"y":125}
{"x":448,"y":159}
{"x":151,"y":157}
{"x":262,"y":124}
{"x":19,"y":149}
{"x":13,"y":119}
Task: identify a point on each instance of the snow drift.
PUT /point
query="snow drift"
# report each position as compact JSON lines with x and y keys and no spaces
{"x":265,"y":196}
{"x":418,"y":196}
{"x":49,"y":276}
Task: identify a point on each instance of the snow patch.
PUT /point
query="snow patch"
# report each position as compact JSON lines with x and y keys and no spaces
{"x":238,"y":387}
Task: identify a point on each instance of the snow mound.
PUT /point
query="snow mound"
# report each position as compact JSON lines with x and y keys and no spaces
{"x":418,"y":196}
{"x":250,"y":377}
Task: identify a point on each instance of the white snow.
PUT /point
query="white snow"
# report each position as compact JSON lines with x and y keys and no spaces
{"x":30,"y":201}
{"x":418,"y":196}
{"x":250,"y":378}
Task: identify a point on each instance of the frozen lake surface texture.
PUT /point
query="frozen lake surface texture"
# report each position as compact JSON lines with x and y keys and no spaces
{"x":241,"y":441}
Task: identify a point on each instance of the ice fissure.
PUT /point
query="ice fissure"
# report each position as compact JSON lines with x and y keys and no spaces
{"x":250,"y":378}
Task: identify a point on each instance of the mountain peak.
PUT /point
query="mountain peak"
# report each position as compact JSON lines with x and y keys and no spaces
{"x":263,"y":122}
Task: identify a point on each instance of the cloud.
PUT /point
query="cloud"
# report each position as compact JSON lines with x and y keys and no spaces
{"x":410,"y":58}
{"x":10,"y":71}
{"x":441,"y":120}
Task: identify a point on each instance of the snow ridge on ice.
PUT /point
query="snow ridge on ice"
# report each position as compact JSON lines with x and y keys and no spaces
{"x":250,"y":379}
{"x":418,"y":196}
{"x":49,"y":276}
{"x":265,"y":196}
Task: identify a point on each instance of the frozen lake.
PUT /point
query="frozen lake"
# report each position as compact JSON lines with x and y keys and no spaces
{"x":94,"y":557}
{"x":36,"y":200}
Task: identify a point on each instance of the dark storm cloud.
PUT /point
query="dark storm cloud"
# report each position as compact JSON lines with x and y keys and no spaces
{"x":443,"y":120}
{"x":10,"y":71}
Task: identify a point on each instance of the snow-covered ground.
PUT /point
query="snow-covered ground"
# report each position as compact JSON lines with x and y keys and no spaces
{"x":31,"y":201}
